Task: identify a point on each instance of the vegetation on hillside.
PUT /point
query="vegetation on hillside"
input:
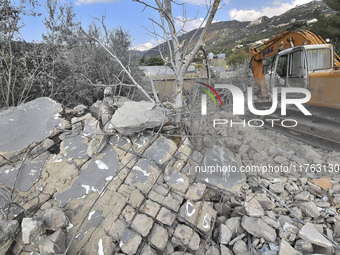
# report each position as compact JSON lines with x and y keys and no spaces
{"x":329,"y":26}
{"x":69,"y":65}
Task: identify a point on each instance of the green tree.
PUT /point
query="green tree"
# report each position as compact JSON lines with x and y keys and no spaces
{"x":329,"y":27}
{"x":237,"y":57}
{"x":14,"y":84}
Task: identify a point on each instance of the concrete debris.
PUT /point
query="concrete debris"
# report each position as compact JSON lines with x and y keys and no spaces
{"x":129,"y":191}
{"x":309,"y":233}
{"x":310,"y":209}
{"x":8,"y":230}
{"x":31,"y":230}
{"x":258,"y":228}
{"x":286,"y":248}
{"x":53,"y":244}
{"x":54,"y":219}
{"x":185,"y":235}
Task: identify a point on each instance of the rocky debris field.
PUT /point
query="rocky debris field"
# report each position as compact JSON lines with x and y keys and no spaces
{"x":118,"y":178}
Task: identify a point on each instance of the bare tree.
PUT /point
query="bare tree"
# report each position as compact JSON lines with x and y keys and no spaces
{"x":179,"y":49}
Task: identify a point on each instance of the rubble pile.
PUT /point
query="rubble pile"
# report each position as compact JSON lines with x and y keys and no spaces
{"x":83,"y":185}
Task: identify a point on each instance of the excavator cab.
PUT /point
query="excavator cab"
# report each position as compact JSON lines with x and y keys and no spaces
{"x":293,"y":65}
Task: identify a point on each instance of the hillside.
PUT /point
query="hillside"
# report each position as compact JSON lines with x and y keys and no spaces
{"x":228,"y":33}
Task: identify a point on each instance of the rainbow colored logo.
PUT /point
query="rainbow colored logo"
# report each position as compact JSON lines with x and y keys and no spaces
{"x":204,"y":97}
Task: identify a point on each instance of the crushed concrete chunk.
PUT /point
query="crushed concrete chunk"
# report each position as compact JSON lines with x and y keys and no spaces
{"x":31,"y":230}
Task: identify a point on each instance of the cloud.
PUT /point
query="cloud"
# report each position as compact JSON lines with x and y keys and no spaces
{"x":80,"y":2}
{"x":189,"y":24}
{"x":269,"y":11}
{"x":147,"y":46}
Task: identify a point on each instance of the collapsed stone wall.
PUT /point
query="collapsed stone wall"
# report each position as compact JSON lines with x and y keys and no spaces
{"x":71,"y":183}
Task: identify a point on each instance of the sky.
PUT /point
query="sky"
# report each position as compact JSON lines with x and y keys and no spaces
{"x":135,"y":19}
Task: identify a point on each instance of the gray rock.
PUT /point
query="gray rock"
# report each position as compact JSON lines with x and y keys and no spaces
{"x":304,"y":246}
{"x":310,"y":209}
{"x":31,"y":230}
{"x":213,"y":250}
{"x":79,"y":109}
{"x":253,"y":207}
{"x":159,"y":237}
{"x":240,"y":247}
{"x":276,"y":188}
{"x":310,"y":234}
{"x":53,"y":244}
{"x":232,"y":242}
{"x":303,"y":196}
{"x":8,"y":230}
{"x":147,"y":250}
{"x":264,"y":201}
{"x":185,"y":235}
{"x":271,"y":222}
{"x":134,"y":117}
{"x":54,"y":219}
{"x":286,"y":248}
{"x":225,"y":234}
{"x":142,"y":224}
{"x":39,"y":118}
{"x":225,"y":250}
{"x":97,"y":144}
{"x":258,"y":228}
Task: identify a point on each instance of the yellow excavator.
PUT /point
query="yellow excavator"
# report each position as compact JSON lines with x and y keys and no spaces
{"x":298,"y":58}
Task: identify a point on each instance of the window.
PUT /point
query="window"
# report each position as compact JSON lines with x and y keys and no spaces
{"x":295,"y":69}
{"x":319,"y":59}
{"x":282,"y":66}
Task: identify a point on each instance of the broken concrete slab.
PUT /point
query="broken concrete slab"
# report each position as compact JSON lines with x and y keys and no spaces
{"x":28,"y":175}
{"x":161,"y":150}
{"x":93,"y":176}
{"x":133,"y":117}
{"x":219,"y":169}
{"x":310,"y":234}
{"x":40,"y":118}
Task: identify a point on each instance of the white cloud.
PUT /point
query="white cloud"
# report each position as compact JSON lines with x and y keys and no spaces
{"x":269,"y":11}
{"x":80,"y":2}
{"x":147,"y":46}
{"x":189,"y":24}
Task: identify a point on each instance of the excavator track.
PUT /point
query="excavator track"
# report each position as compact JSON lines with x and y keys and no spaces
{"x":322,"y":129}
